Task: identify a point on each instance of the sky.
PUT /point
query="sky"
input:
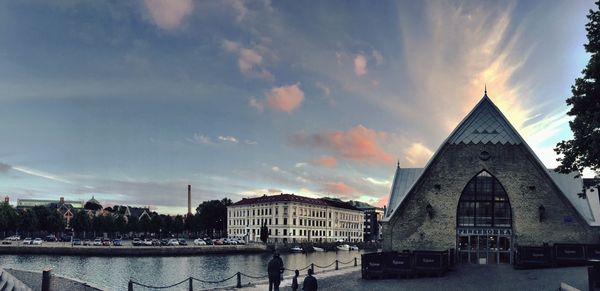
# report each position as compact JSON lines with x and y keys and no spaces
{"x":131,"y":101}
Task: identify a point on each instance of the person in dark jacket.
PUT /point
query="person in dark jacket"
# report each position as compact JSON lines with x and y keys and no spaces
{"x":310,"y":282}
{"x":295,"y":281}
{"x":274,"y":269}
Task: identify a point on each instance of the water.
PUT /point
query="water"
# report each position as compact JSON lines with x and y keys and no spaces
{"x":114,"y":273}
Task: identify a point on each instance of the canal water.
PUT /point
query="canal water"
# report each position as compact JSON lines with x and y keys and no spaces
{"x":113,"y":273}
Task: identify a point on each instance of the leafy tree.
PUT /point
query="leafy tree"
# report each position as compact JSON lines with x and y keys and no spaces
{"x":42,"y":213}
{"x":120,"y":224}
{"x":584,"y":149}
{"x":9,"y":219}
{"x":28,"y":221}
{"x":178,"y":225}
{"x":55,"y":222}
{"x":156,"y":223}
{"x":81,"y":222}
{"x":133,"y":224}
{"x":213,"y":216}
{"x":145,"y":224}
{"x":264,"y":233}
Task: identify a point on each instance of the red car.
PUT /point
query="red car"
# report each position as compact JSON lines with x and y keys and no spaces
{"x":106,"y":242}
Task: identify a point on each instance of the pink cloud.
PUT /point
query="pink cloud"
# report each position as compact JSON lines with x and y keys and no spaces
{"x":256,"y":104}
{"x":326,"y":161}
{"x":383,"y":201}
{"x":168,"y":14}
{"x":358,"y":143}
{"x":360,"y":65}
{"x":339,"y":188}
{"x":285,"y":98}
{"x":249,"y":60}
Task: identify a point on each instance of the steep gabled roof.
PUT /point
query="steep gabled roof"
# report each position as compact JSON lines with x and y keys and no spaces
{"x":485,"y":124}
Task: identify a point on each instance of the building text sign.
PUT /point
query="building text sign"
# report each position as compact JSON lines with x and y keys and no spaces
{"x":491,"y":231}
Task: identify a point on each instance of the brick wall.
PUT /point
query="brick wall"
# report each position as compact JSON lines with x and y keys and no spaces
{"x":411,"y":228}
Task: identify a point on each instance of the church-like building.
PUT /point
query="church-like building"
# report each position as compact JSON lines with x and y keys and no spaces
{"x":484,"y":192}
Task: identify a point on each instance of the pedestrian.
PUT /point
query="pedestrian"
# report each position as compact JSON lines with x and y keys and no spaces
{"x":310,"y":282}
{"x":274,"y":270}
{"x":295,"y":280}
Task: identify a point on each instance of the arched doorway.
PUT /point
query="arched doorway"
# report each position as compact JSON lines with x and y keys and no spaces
{"x":484,"y":222}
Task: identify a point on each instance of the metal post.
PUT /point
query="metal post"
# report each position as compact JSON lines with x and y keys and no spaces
{"x":130,"y":286}
{"x":239,"y":280}
{"x":355,"y":262}
{"x":191,"y":284}
{"x":46,"y":276}
{"x":337,"y":267}
{"x":312,"y":267}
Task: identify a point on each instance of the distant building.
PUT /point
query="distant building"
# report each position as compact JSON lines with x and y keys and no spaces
{"x":128,"y":211}
{"x":372,"y":220}
{"x":66,"y":208}
{"x":292,"y":218}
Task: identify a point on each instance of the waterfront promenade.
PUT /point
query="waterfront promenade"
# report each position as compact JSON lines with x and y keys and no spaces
{"x":465,"y":278}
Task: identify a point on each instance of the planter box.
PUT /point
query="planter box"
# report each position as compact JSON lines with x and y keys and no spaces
{"x":398,"y":264}
{"x":427,"y":262}
{"x":372,"y":265}
{"x":533,"y":257}
{"x":570,"y":254}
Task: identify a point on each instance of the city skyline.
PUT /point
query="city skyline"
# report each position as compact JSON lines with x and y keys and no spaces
{"x":131,"y":102}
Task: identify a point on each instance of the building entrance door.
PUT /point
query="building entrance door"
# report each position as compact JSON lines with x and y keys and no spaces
{"x":484,"y":249}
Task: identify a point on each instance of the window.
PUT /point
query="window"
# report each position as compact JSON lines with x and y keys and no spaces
{"x":484,"y":203}
{"x":294,"y":221}
{"x":285,"y":221}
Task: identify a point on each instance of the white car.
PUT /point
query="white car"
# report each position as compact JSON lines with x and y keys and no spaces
{"x":14,"y":238}
{"x":199,"y":242}
{"x":27,"y":241}
{"x":173,"y":242}
{"x":241,"y":242}
{"x":97,"y":242}
{"x":147,"y":242}
{"x":37,"y":241}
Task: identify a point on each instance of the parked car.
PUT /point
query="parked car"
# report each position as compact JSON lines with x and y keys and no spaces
{"x":87,"y":242}
{"x":173,"y":242}
{"x":106,"y":242}
{"x":199,"y":242}
{"x":37,"y":241}
{"x":14,"y":238}
{"x":66,"y":238}
{"x":164,"y":242}
{"x":218,"y":242}
{"x":76,"y":242}
{"x":182,"y":242}
{"x":155,"y":242}
{"x":147,"y":242}
{"x":117,"y":242}
{"x":241,"y":242}
{"x":50,"y":237}
{"x":208,"y":241}
{"x":27,"y":241}
{"x":136,"y":242}
{"x":6,"y":242}
{"x":97,"y":242}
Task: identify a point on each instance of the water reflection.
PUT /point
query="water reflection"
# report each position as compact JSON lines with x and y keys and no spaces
{"x":114,"y":273}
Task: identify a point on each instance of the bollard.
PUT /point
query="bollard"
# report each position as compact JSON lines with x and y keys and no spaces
{"x":337,"y":267}
{"x":191,"y":284}
{"x":239,"y":280}
{"x":46,"y":276}
{"x":130,"y":286}
{"x":355,"y":262}
{"x":312,"y":267}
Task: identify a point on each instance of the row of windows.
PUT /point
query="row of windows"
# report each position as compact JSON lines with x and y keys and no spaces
{"x":301,"y":222}
{"x":302,"y":211}
{"x":301,"y":232}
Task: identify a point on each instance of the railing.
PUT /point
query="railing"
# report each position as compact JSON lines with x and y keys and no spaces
{"x":238,"y":276}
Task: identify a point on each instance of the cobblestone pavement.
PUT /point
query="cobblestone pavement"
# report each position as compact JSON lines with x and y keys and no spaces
{"x":466,"y":277}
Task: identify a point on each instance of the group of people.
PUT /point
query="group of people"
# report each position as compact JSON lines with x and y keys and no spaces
{"x":275,"y":270}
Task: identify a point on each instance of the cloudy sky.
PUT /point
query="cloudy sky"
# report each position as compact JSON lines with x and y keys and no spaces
{"x":131,"y":101}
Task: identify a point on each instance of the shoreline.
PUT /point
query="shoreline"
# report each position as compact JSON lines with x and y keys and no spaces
{"x":127,"y":251}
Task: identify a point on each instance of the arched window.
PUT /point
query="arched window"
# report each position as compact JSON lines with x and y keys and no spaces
{"x":484,"y":203}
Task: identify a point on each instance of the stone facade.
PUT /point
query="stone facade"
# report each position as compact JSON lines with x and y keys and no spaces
{"x":527,"y":185}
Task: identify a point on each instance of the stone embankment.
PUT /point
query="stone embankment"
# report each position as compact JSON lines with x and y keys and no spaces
{"x":128,"y":251}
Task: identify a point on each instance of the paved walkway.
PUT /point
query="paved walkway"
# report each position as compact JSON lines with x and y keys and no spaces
{"x":466,"y":277}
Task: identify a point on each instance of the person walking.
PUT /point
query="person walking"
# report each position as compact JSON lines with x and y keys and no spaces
{"x":295,"y":280}
{"x":274,"y":269}
{"x":310,"y":282}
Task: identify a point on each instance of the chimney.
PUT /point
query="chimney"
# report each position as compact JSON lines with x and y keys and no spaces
{"x":189,"y":199}
{"x":6,"y":199}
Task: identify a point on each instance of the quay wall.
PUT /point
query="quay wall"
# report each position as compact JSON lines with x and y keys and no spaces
{"x":131,"y":251}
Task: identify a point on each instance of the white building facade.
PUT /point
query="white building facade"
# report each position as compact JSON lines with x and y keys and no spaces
{"x":291,"y":218}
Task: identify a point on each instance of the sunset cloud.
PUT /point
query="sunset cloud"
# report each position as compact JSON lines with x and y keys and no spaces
{"x":360,"y":65}
{"x":249,"y":60}
{"x":417,"y":155}
{"x":168,"y":14}
{"x":358,"y":143}
{"x":285,"y":98}
{"x":339,"y":188}
{"x":326,"y":161}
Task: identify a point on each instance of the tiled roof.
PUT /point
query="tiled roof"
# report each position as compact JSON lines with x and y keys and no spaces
{"x":485,"y":124}
{"x":294,"y":198}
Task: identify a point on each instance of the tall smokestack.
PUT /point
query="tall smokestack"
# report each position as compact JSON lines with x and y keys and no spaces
{"x":189,"y":199}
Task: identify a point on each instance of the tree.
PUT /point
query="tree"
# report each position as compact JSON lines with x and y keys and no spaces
{"x":583,"y":150}
{"x":133,"y":224}
{"x":156,"y":223}
{"x":264,"y":233}
{"x":81,"y":222}
{"x":9,"y":220}
{"x":145,"y":224}
{"x":28,"y":221}
{"x":120,"y":224}
{"x":213,"y":216}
